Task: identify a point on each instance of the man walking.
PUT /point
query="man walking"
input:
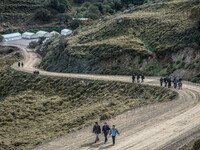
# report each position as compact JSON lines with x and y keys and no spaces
{"x":97,"y":131}
{"x":142,"y":76}
{"x":113,"y":132}
{"x":105,"y":131}
{"x":161,"y":81}
{"x":22,"y":64}
{"x":138,"y":78}
{"x":165,"y":80}
{"x":133,"y":78}
{"x":18,"y":64}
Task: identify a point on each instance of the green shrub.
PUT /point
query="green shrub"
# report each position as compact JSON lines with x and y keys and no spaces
{"x":42,"y":14}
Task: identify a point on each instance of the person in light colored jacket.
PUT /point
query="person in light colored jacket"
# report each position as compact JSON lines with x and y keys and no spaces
{"x":114,"y":132}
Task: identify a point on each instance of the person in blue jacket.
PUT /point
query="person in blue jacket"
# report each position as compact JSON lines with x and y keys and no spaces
{"x":105,"y":130}
{"x":113,"y":132}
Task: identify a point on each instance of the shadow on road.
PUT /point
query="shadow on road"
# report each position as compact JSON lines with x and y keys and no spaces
{"x":96,"y":145}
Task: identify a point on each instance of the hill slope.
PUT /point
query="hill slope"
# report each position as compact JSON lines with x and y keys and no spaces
{"x":154,"y":39}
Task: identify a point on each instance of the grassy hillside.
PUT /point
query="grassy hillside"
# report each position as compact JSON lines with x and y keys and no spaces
{"x":34,"y":109}
{"x":154,"y":39}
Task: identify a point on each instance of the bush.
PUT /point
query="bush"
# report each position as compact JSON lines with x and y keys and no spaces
{"x":59,"y":5}
{"x":42,"y":14}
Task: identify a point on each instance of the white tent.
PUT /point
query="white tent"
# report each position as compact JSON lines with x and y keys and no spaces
{"x":66,"y":32}
{"x":29,"y":35}
{"x":53,"y":33}
{"x":43,"y":34}
{"x":12,"y":36}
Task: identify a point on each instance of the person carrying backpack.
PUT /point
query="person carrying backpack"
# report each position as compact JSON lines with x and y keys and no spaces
{"x":105,"y":130}
{"x":114,"y":132}
{"x":97,"y":131}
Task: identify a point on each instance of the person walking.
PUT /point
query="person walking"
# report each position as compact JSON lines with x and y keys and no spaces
{"x":138,"y":78}
{"x":18,"y":64}
{"x":165,"y":80}
{"x":97,"y":131}
{"x":105,"y":130}
{"x":180,"y":85}
{"x":133,"y":78}
{"x":142,"y":76}
{"x":114,"y":132}
{"x":175,"y":82}
{"x":161,"y":81}
{"x":169,"y":82}
{"x":22,"y":64}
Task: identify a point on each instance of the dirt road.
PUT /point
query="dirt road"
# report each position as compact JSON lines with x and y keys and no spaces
{"x":168,"y":125}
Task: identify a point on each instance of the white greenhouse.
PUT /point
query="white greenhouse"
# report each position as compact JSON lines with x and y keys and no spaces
{"x":29,"y":35}
{"x":12,"y":36}
{"x":66,"y":32}
{"x":53,"y":33}
{"x":43,"y":34}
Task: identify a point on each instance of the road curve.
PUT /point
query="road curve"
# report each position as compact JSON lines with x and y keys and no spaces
{"x":168,"y":125}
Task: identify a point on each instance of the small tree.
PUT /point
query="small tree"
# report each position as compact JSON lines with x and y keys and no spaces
{"x":43,"y":14}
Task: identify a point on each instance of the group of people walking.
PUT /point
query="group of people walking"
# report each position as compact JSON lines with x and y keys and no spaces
{"x":20,"y":64}
{"x":177,"y":83}
{"x":138,"y":78}
{"x":106,"y":131}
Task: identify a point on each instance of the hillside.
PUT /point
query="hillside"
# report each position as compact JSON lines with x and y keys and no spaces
{"x":154,"y":39}
{"x":35,"y":109}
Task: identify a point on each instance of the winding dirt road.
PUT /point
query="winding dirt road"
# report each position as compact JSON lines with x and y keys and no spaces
{"x":169,"y":125}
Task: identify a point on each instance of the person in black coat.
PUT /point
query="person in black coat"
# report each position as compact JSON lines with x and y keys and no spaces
{"x":105,"y":130}
{"x":97,"y":131}
{"x":133,"y":78}
{"x":161,"y":81}
{"x":169,"y":82}
{"x":138,"y":78}
{"x":142,"y":76}
{"x":165,"y":80}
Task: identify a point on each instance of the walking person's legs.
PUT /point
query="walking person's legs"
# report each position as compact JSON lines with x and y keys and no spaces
{"x":106,"y":139}
{"x":97,"y":137}
{"x":113,"y":138}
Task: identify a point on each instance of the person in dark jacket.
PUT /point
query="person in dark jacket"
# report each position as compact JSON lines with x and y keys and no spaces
{"x":22,"y":64}
{"x":161,"y":81}
{"x":142,"y":77}
{"x":169,"y":82}
{"x":97,"y":131}
{"x":138,"y":78}
{"x":165,"y":80}
{"x":105,"y":130}
{"x":18,"y":64}
{"x":113,"y":132}
{"x":133,"y":78}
